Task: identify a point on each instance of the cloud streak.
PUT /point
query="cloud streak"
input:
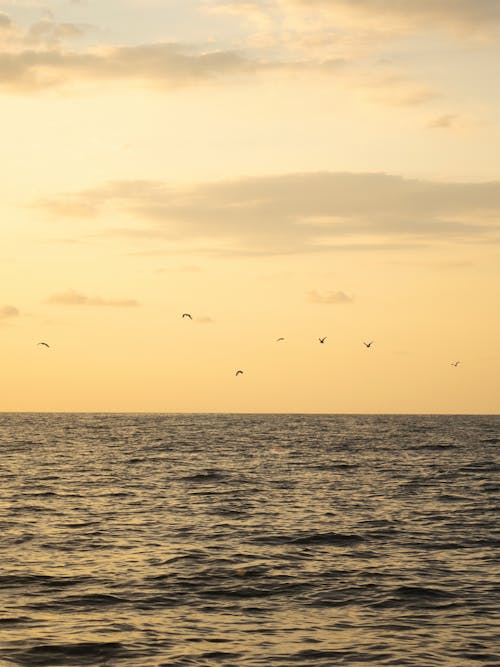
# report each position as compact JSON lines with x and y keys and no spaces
{"x":302,"y":212}
{"x":462,"y":15}
{"x":168,"y":65}
{"x":8,"y":312}
{"x":40,"y":58}
{"x":329,"y":298}
{"x":73,"y":298}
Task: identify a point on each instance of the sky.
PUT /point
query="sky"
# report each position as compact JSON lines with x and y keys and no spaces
{"x":275,"y":168}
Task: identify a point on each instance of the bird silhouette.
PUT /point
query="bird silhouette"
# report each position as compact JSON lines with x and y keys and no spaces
{"x":322,"y":340}
{"x":186,"y":315}
{"x":278,"y":339}
{"x":455,"y":363}
{"x":44,"y":344}
{"x":368,"y":344}
{"x":239,"y":373}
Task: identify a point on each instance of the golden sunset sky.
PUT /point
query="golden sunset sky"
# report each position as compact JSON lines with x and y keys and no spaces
{"x":295,"y":168}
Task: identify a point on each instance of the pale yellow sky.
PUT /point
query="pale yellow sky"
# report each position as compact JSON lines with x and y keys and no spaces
{"x":275,"y":168}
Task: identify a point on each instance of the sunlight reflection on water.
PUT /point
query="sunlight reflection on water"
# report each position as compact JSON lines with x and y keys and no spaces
{"x":150,"y":540}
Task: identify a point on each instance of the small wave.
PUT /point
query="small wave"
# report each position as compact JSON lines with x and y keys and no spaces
{"x":85,"y":653}
{"x":450,"y":498}
{"x":329,"y":538}
{"x":248,"y":592}
{"x":25,"y":509}
{"x":80,"y":524}
{"x":86,"y":601}
{"x":237,"y":514}
{"x":41,"y":494}
{"x":250,"y":571}
{"x":482,"y":467}
{"x":14,"y":620}
{"x":490,"y":488}
{"x":220,"y":655}
{"x":435,"y":446}
{"x":311,"y":655}
{"x":330,"y":467}
{"x":422,"y":592}
{"x":418,"y":596}
{"x":207,"y":476}
{"x":27,"y":580}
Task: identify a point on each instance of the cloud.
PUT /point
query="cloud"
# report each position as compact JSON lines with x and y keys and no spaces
{"x":462,"y":15}
{"x":5,"y":21}
{"x":40,"y":58}
{"x":254,"y":11}
{"x":329,"y":297}
{"x":49,"y":32}
{"x":444,"y":121}
{"x":8,"y":312}
{"x":204,"y":320}
{"x":302,"y":212}
{"x":164,"y":64}
{"x":46,"y":32}
{"x":72,"y":298}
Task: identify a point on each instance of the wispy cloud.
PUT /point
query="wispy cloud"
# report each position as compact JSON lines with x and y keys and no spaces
{"x":48,"y":32}
{"x":8,"y":312}
{"x":167,"y":65}
{"x":449,"y":15}
{"x":444,"y":121}
{"x":43,"y":56}
{"x":313,"y":296}
{"x":5,"y":22}
{"x":297,"y":212}
{"x":73,"y":298}
{"x":44,"y":33}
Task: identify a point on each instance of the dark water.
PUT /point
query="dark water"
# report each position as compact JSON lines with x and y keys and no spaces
{"x":147,"y":540}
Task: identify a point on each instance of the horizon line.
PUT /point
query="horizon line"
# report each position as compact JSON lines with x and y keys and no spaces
{"x":333,"y":414}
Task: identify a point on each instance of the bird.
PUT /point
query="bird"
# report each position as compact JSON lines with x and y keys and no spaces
{"x":322,"y":340}
{"x":186,"y":315}
{"x":239,"y":373}
{"x":44,"y":344}
{"x":278,"y":339}
{"x":368,"y":344}
{"x":455,"y":363}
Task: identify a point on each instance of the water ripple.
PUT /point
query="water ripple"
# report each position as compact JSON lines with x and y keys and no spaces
{"x":248,"y":540}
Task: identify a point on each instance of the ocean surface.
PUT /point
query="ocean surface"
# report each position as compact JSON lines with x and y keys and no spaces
{"x":249,"y":540}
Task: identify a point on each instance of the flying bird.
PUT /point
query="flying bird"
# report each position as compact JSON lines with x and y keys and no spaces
{"x":455,"y":363}
{"x":322,"y":340}
{"x":44,"y":344}
{"x":186,"y":315}
{"x":368,"y":344}
{"x":278,"y":339}
{"x":239,"y":373}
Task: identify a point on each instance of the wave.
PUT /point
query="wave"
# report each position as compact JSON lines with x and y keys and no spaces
{"x":85,"y":653}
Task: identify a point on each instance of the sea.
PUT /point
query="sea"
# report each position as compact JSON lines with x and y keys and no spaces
{"x":247,"y":540}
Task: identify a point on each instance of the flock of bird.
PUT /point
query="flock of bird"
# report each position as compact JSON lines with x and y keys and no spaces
{"x":278,"y":340}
